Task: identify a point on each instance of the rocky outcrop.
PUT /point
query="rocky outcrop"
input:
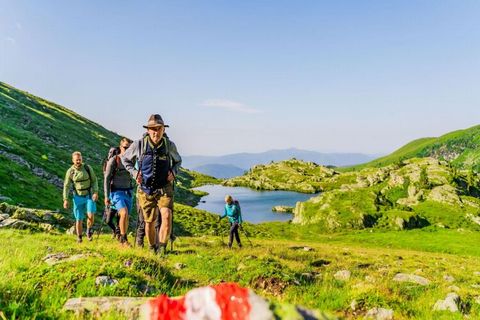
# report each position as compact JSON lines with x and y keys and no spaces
{"x":24,"y":218}
{"x":377,"y":194}
{"x":285,"y":209}
{"x":39,"y":172}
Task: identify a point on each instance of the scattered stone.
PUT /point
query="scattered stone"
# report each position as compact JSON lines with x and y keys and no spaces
{"x":307,"y":249}
{"x":179,"y":266}
{"x":125,"y":305}
{"x":454,"y":288}
{"x":14,"y":223}
{"x":4,"y":216}
{"x":56,"y":258}
{"x":105,"y":281}
{"x":71,"y":231}
{"x":342,"y":275}
{"x":283,"y":209}
{"x":448,"y":278}
{"x":451,"y":303}
{"x":5,"y":198}
{"x":403,"y":277}
{"x":379,"y":314}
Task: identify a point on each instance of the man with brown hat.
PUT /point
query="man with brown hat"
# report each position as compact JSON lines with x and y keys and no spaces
{"x":158,"y":163}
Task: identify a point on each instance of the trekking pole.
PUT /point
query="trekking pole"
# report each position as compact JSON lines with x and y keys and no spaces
{"x":104,"y":218}
{"x":246,"y":236}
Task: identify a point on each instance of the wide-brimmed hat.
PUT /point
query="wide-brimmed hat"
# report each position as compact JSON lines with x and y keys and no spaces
{"x":154,"y":121}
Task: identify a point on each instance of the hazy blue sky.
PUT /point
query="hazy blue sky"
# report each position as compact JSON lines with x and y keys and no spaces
{"x":234,"y":76}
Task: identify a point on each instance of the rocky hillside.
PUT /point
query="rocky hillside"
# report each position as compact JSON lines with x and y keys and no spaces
{"x":414,"y":193}
{"x":292,"y":175}
{"x":461,"y":148}
{"x":37,"y":138}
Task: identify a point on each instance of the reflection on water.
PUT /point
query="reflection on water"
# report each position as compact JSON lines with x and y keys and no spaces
{"x":256,"y":205}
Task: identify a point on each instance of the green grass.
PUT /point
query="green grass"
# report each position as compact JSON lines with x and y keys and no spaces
{"x":462,"y":145}
{"x":273,"y":267}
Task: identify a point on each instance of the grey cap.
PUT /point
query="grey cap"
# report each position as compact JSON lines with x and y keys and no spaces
{"x":155,"y":120}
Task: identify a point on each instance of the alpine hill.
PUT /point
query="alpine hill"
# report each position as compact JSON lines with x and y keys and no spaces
{"x":460,"y":148}
{"x":37,"y":138}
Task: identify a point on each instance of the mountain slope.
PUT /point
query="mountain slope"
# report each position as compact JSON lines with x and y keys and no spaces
{"x":37,"y":138}
{"x":461,"y":148}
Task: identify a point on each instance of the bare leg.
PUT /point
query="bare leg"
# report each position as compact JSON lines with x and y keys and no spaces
{"x":150,"y":231}
{"x":79,"y":227}
{"x":90,"y":220}
{"x":123,"y":220}
{"x":166,"y":227}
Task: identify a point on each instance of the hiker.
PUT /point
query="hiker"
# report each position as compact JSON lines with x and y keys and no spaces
{"x":111,"y":218}
{"x":158,"y":163}
{"x":140,"y":236}
{"x":118,"y":189}
{"x":85,"y":194}
{"x":234,"y":214}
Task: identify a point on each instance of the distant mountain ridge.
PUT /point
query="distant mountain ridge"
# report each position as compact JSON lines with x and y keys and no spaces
{"x":244,"y":161}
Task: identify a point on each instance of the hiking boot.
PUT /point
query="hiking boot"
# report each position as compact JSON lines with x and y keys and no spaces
{"x":162,"y":250}
{"x":90,"y":234}
{"x":124,"y":241}
{"x":153,"y":248}
{"x":79,"y":239}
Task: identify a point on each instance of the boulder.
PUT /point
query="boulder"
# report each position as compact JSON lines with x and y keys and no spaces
{"x":445,"y":194}
{"x":403,"y":277}
{"x":451,"y":303}
{"x":285,"y":209}
{"x":342,"y":275}
{"x":129,"y":306}
{"x":14,"y":223}
{"x":379,"y":314}
{"x":105,"y":281}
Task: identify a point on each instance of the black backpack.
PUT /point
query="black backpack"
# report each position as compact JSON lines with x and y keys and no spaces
{"x":112,"y":152}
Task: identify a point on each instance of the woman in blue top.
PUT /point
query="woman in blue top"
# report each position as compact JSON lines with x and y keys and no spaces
{"x":234,"y":214}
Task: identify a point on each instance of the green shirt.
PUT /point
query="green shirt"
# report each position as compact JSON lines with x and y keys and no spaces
{"x":83,"y":184}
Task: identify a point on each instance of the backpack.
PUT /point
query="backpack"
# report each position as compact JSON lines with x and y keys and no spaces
{"x":112,"y":152}
{"x":87,"y":168}
{"x":236,"y":203}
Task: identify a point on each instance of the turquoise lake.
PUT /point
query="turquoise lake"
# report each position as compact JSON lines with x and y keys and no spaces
{"x":256,"y":205}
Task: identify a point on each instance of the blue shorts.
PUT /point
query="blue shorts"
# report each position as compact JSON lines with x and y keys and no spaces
{"x":82,"y":205}
{"x":122,"y":199}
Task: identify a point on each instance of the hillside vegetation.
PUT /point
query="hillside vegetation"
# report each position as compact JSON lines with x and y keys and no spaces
{"x":291,"y":175}
{"x":37,"y":138}
{"x":461,"y":148}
